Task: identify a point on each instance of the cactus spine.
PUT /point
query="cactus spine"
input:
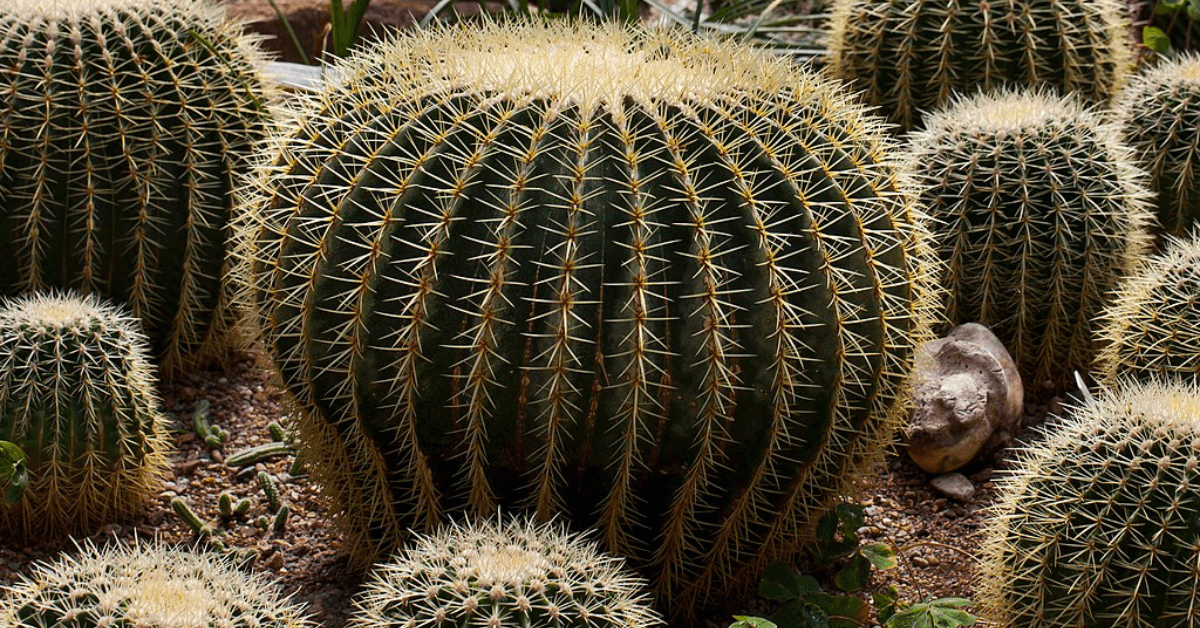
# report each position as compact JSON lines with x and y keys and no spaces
{"x":122,"y":124}
{"x":1043,"y":210}
{"x":1160,"y":114}
{"x":504,"y":575}
{"x":77,"y":395}
{"x":1097,"y":525}
{"x":665,"y":287}
{"x":910,"y":56}
{"x":1152,"y":328}
{"x":142,"y":584}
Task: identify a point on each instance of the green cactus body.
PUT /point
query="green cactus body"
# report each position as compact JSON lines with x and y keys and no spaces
{"x":504,"y":575}
{"x":143,"y":584}
{"x":909,"y":57}
{"x":1152,"y":328}
{"x":1043,"y":211}
{"x":1097,"y":524}
{"x":77,"y":396}
{"x":1159,"y":115}
{"x":662,"y":286}
{"x":122,"y":124}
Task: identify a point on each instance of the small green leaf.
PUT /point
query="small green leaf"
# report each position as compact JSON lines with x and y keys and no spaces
{"x":940,"y":613}
{"x":751,"y":622}
{"x":881,"y":555}
{"x":781,"y":583}
{"x":852,"y":517}
{"x":843,"y":611}
{"x":17,"y":485}
{"x":800,"y":614}
{"x":855,"y":575}
{"x":887,"y":602}
{"x":1156,"y":39}
{"x":951,"y":602}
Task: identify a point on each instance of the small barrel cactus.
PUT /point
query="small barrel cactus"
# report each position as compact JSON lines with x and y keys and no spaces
{"x":661,"y":286}
{"x":909,"y":57}
{"x":1152,"y":328}
{"x":1097,"y":524}
{"x":122,"y":126}
{"x":1160,"y":117}
{"x":141,"y":584}
{"x":504,"y":574}
{"x":1043,"y":210}
{"x":77,"y":396}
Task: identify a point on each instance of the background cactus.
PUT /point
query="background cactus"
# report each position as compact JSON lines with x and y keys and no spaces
{"x":122,"y":124}
{"x":143,"y":584}
{"x":1160,"y":115}
{"x":77,"y":396}
{"x":504,"y":574}
{"x":1043,"y":211}
{"x":910,"y":56}
{"x":1152,"y":328}
{"x":665,"y":287}
{"x":1096,"y":525}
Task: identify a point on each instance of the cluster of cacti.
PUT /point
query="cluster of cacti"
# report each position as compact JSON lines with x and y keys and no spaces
{"x":140,"y":584}
{"x":77,"y":396}
{"x":1097,"y":526}
{"x":1152,"y":328}
{"x":1041,"y":211}
{"x":123,"y":124}
{"x":1160,"y":116}
{"x":909,"y":57}
{"x":509,"y":574}
{"x":665,"y":287}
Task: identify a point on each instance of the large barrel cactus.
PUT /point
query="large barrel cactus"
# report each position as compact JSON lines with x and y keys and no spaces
{"x":77,"y":396}
{"x":1043,"y":210}
{"x":1152,"y":328}
{"x":122,"y":124}
{"x":664,"y":286}
{"x":1097,"y":524}
{"x":910,"y":56}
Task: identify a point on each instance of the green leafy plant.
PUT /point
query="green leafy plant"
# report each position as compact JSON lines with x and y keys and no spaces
{"x":14,"y":477}
{"x":1172,"y":26}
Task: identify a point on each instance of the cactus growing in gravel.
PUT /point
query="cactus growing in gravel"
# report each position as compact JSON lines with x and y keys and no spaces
{"x":1043,"y":211}
{"x":142,"y":584}
{"x":665,"y":286}
{"x":1152,"y":328}
{"x":77,"y":396}
{"x":122,"y":125}
{"x":504,"y":575}
{"x":1097,"y":524}
{"x":1160,"y":116}
{"x":910,"y":56}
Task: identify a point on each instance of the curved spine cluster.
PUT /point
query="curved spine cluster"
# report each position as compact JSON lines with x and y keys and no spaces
{"x":145,"y":584}
{"x":1152,"y":328}
{"x":665,"y":287}
{"x":123,"y":124}
{"x":1159,"y":115}
{"x":1096,"y":525}
{"x":1043,"y":211}
{"x":909,"y":57}
{"x":77,"y":396}
{"x":504,"y":574}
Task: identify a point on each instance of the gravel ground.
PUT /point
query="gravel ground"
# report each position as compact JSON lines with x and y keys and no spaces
{"x":939,"y":534}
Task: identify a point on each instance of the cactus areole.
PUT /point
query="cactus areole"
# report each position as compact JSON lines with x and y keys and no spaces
{"x":662,"y":286}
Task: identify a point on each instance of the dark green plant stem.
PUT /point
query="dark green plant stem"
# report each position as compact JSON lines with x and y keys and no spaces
{"x":287,"y":25}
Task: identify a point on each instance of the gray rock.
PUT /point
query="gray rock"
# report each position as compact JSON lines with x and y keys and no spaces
{"x":955,"y":486}
{"x":968,"y":399}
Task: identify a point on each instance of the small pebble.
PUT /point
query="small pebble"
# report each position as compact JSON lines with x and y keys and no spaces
{"x":919,"y":561}
{"x":954,"y":485}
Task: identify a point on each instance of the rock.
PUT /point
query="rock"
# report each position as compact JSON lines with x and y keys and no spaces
{"x":968,"y":399}
{"x":954,"y":486}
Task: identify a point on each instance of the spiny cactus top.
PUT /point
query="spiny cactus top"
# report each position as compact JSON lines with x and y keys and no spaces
{"x":504,"y":574}
{"x":122,"y":124}
{"x":1152,"y":329}
{"x":1042,"y":209}
{"x":1160,"y":117}
{"x":910,"y":56}
{"x":666,"y":286}
{"x":1097,"y":524}
{"x":141,"y":584}
{"x":77,"y":396}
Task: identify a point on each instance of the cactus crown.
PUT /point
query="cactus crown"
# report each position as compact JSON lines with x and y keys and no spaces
{"x":1096,"y":524}
{"x":1044,"y":211}
{"x":1152,"y":328}
{"x":144,"y":584}
{"x":504,"y":575}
